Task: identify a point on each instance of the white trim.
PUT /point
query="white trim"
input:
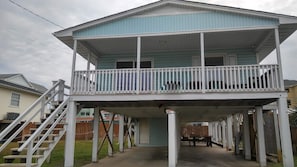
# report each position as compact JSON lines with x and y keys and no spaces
{"x":176,"y":33}
{"x":189,"y":96}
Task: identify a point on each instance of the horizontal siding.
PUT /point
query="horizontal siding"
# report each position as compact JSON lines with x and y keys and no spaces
{"x":158,"y":132}
{"x":175,"y":59}
{"x":210,"y":20}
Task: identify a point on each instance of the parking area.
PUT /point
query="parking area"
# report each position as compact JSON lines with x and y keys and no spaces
{"x":189,"y":157}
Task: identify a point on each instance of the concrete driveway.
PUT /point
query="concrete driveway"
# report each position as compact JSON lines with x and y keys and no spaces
{"x":189,"y":157}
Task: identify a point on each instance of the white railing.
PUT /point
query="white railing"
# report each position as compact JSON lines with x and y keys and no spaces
{"x":36,"y":110}
{"x":178,"y":80}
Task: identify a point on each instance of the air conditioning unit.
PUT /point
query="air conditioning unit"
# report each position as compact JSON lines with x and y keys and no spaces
{"x":12,"y":115}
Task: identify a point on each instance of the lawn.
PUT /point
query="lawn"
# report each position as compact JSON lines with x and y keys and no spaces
{"x":83,"y":153}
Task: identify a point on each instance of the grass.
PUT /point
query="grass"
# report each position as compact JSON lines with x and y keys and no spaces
{"x":82,"y":156}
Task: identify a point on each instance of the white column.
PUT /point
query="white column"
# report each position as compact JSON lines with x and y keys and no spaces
{"x":277,"y":137}
{"x":216,"y":132}
{"x":237,"y":133}
{"x":73,"y":64}
{"x":70,"y":134}
{"x":260,"y":136}
{"x":138,"y":64}
{"x":246,"y":136}
{"x":130,"y":132}
{"x":110,"y":134}
{"x":219,"y":132}
{"x":224,"y":142}
{"x":285,"y":133}
{"x":202,"y":61}
{"x":209,"y":128}
{"x":278,"y":56}
{"x":89,"y":61}
{"x":95,"y":135}
{"x":229,"y":132}
{"x":171,"y":138}
{"x":121,"y":133}
{"x":135,"y":132}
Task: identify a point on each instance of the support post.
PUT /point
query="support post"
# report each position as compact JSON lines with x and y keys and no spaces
{"x":172,"y":150}
{"x":121,"y":133}
{"x":278,"y":56}
{"x":286,"y":142}
{"x":110,"y":134}
{"x":202,"y":61}
{"x":138,"y":64}
{"x":70,"y":134}
{"x":260,"y":136}
{"x":224,"y":134}
{"x":95,"y":135}
{"x":73,"y":65}
{"x":237,"y":133}
{"x":246,"y":136}
{"x":229,"y":133}
{"x":130,"y":132}
{"x":277,"y":136}
{"x":209,"y":128}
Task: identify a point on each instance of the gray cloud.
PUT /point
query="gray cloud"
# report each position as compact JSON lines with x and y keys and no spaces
{"x":27,"y":45}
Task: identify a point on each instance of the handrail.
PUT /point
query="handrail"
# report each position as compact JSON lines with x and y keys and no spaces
{"x":44,"y":125}
{"x":32,"y":111}
{"x":19,"y":118}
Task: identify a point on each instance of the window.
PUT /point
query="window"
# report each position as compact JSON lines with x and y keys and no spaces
{"x":214,"y":61}
{"x":132,"y":64}
{"x":15,"y":99}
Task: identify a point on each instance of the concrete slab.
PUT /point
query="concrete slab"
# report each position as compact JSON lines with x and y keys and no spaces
{"x":189,"y":157}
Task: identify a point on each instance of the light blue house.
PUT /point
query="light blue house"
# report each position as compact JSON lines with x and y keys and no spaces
{"x":172,"y":62}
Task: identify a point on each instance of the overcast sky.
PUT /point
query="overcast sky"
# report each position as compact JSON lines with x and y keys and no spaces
{"x":27,"y":45}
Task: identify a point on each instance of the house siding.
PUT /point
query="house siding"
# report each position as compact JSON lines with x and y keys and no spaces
{"x":175,"y":59}
{"x":202,"y":21}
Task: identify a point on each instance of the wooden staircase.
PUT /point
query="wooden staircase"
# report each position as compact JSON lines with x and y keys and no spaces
{"x":36,"y":146}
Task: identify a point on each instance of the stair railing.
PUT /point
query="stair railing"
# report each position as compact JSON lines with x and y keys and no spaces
{"x":56,"y":117}
{"x":37,"y":108}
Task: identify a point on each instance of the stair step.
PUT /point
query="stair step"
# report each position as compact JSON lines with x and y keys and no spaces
{"x":17,"y":165}
{"x":21,"y":156}
{"x":50,"y":135}
{"x":40,"y":149}
{"x":46,"y":142}
{"x":47,"y":129}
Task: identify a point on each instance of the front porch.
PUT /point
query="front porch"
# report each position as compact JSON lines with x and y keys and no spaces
{"x":239,"y":78}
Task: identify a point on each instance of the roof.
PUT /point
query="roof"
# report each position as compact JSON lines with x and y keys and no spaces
{"x":284,"y":19}
{"x":290,"y":83}
{"x":6,"y":81}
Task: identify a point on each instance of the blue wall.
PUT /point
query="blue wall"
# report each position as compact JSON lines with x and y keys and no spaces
{"x":176,"y":59}
{"x":211,"y":20}
{"x":158,"y":132}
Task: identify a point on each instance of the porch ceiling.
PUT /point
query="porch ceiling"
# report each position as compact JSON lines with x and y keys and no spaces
{"x":200,"y":110}
{"x":213,"y":41}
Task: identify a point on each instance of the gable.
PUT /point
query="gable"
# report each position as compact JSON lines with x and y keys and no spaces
{"x":175,"y":19}
{"x":19,"y":80}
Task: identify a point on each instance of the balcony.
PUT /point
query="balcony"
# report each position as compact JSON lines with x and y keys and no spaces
{"x":239,"y":78}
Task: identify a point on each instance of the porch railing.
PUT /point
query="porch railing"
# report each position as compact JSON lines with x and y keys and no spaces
{"x":178,"y":80}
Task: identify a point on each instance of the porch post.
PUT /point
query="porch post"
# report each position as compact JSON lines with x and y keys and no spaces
{"x":130,"y":132}
{"x":89,"y":61}
{"x":138,"y":64}
{"x":285,"y":134}
{"x":278,"y":56}
{"x":224,"y":134}
{"x":73,"y":64}
{"x":121,"y":133}
{"x":237,"y":133}
{"x":246,"y":136}
{"x":277,"y":137}
{"x":95,"y":135}
{"x":136,"y":133}
{"x":110,"y":134}
{"x":260,"y":136}
{"x":172,"y":150}
{"x":209,"y":128}
{"x":202,"y":62}
{"x":70,"y":134}
{"x":229,"y":132}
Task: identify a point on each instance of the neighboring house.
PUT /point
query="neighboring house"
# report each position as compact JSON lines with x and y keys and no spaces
{"x":291,"y":87}
{"x":171,"y":62}
{"x":17,"y":94}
